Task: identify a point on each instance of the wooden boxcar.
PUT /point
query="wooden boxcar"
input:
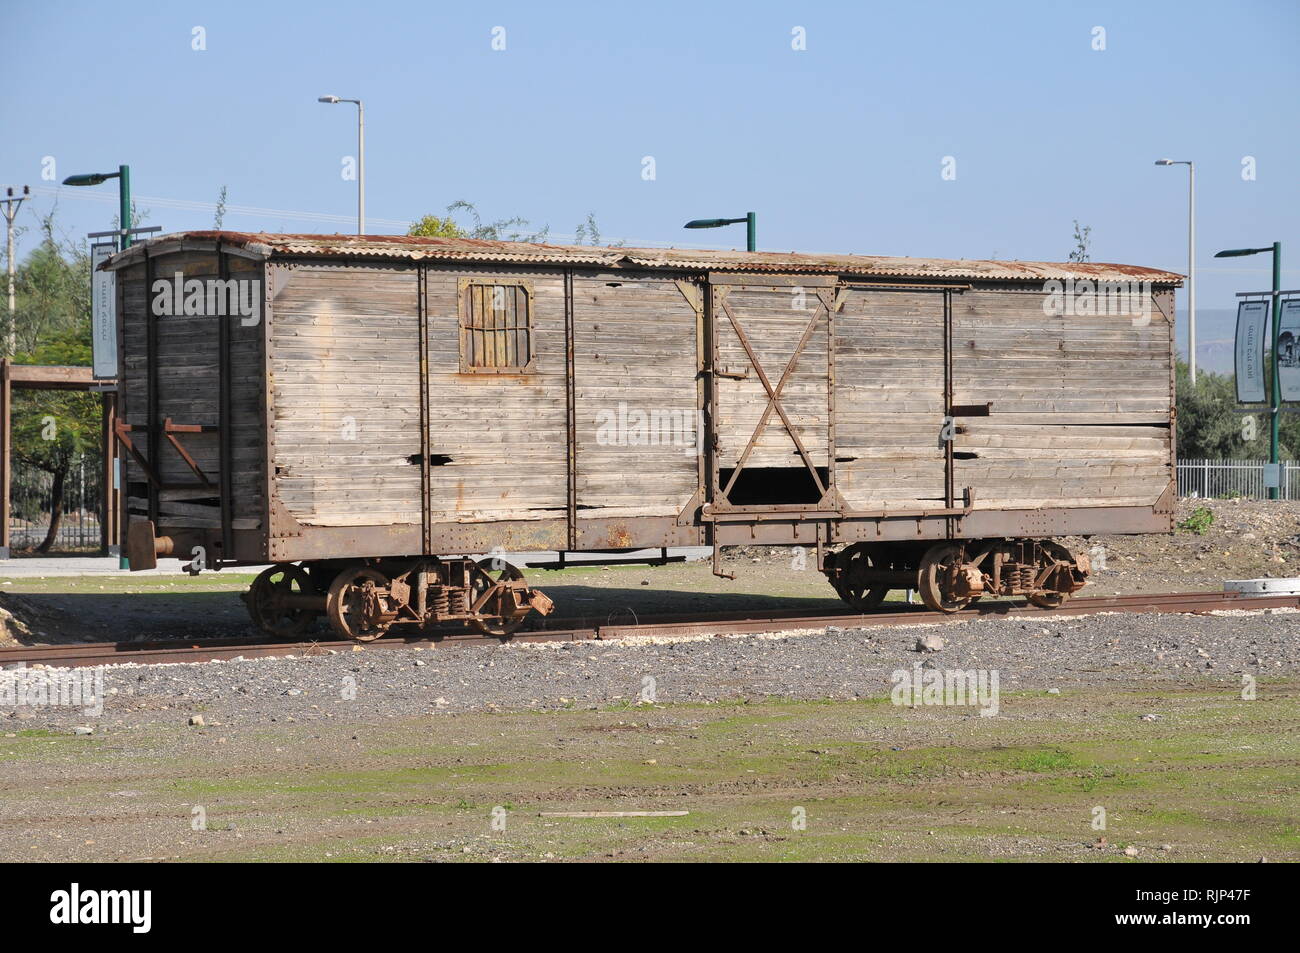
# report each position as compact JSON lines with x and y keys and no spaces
{"x":364,"y":412}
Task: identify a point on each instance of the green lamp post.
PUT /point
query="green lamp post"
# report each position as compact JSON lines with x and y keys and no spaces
{"x":1276,"y":403}
{"x":123,"y":176}
{"x":749,"y":221}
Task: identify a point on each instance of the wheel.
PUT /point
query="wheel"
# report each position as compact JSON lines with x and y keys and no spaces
{"x":266,"y":603}
{"x":850,"y":564}
{"x":935,"y":575}
{"x":353,"y":604}
{"x":485,"y":578}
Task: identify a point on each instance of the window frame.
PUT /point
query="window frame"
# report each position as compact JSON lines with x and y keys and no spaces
{"x":465,"y":327}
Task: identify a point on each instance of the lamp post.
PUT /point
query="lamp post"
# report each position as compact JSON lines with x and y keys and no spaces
{"x":1191,"y":261}
{"x":1276,"y":249}
{"x":123,"y":176}
{"x":361,"y":157}
{"x":749,"y":221}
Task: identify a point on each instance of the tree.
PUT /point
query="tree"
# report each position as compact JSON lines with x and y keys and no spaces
{"x":433,"y":226}
{"x":588,"y":233}
{"x":1212,"y":426}
{"x":1081,"y":241}
{"x":55,"y":431}
{"x":506,"y":229}
{"x":220,"y":212}
{"x":52,"y":289}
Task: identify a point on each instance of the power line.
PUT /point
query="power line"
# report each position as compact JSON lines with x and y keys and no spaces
{"x":254,"y":211}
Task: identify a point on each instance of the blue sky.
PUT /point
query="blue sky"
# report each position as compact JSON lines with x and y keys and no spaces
{"x":838,"y":147}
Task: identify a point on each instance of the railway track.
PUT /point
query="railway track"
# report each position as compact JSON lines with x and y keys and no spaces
{"x":664,"y":626}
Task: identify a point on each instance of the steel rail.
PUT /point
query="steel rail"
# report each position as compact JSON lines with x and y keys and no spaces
{"x":663,"y":626}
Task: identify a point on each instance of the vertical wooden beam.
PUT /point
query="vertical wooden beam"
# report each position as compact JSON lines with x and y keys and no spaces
{"x":121,"y":467}
{"x":153,"y":418}
{"x":947,"y":411}
{"x":426,"y":477}
{"x":570,"y":413}
{"x":225,"y":452}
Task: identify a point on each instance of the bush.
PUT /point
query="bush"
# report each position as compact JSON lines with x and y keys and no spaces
{"x":1201,"y":519}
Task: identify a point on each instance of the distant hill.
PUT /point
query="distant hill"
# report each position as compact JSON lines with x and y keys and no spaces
{"x":1215,"y":330}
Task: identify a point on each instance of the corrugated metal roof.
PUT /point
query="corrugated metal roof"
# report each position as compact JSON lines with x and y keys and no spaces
{"x":403,"y":247}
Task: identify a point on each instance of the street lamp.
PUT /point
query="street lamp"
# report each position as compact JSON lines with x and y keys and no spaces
{"x":749,"y":221}
{"x":123,"y":176}
{"x":1276,"y":249}
{"x":361,"y":157}
{"x":1191,"y":261}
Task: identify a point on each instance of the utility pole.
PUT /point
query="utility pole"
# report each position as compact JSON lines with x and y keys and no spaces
{"x":12,"y":203}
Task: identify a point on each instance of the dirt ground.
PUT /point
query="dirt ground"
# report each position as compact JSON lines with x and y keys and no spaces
{"x":1206,"y":777}
{"x":1247,"y":539}
{"x":760,"y":748}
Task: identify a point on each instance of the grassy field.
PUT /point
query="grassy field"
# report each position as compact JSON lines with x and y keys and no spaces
{"x":1212,"y":779}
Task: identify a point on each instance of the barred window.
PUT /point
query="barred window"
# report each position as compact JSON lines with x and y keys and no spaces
{"x":496,"y":326}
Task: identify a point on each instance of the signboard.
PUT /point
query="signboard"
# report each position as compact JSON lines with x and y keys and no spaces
{"x":1251,"y":318}
{"x":1288,"y":349}
{"x":103,"y":313}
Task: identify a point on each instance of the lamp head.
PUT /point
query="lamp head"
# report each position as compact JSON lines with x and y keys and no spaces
{"x":93,"y":178}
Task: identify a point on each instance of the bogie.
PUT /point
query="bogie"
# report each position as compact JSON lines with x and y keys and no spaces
{"x":363,"y":599}
{"x":951,"y":575}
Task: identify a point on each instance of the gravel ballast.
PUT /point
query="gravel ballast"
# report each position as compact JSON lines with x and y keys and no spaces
{"x":376,"y":684}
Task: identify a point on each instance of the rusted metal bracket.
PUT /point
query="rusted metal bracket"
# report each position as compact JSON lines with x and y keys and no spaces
{"x":687,"y":515}
{"x":169,"y":430}
{"x":740,"y":375}
{"x":122,"y":430}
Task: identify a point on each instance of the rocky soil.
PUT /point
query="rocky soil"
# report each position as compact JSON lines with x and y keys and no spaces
{"x":382,"y":683}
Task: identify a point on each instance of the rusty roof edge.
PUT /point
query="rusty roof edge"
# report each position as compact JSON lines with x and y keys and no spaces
{"x":401,"y":247}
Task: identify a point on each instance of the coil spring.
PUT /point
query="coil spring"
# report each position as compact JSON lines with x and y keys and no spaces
{"x":1024,"y":578}
{"x":441,"y":602}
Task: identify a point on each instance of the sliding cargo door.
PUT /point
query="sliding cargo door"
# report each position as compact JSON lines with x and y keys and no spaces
{"x":890,"y":399}
{"x":496,"y":361}
{"x":770,"y":343}
{"x":636,"y":409}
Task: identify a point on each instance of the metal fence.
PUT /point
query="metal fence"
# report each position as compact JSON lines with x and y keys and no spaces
{"x":31,"y":503}
{"x":1226,"y":479}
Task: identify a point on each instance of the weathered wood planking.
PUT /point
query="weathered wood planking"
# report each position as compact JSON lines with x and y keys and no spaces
{"x":635,"y":406}
{"x":187,"y":379}
{"x":331,"y":385}
{"x":1008,"y":350}
{"x":345,"y":378}
{"x":498,"y":439}
{"x":889,"y":398}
